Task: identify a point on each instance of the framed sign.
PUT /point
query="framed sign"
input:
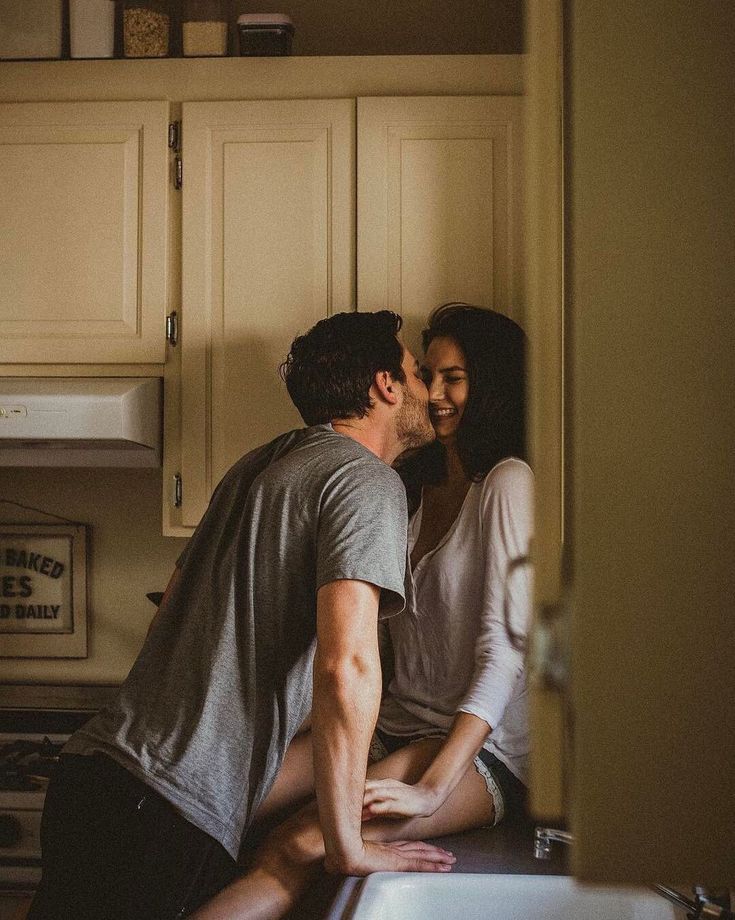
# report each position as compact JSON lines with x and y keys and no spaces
{"x":43,"y":591}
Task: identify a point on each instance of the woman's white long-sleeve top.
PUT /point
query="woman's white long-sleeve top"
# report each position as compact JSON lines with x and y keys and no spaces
{"x":454,"y":647}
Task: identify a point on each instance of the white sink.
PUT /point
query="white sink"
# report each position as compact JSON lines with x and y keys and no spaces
{"x":411,"y":896}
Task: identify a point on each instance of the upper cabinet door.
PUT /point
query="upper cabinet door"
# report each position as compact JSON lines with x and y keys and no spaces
{"x":268,"y":250}
{"x":439,"y":204}
{"x":83,"y":230}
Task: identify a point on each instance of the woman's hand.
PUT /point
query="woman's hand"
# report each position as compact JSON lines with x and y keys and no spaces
{"x":390,"y":798}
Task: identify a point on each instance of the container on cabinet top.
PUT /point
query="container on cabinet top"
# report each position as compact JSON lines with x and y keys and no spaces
{"x":266,"y":34}
{"x":92,"y":28}
{"x":204,"y":28}
{"x":30,"y":29}
{"x":146,"y":28}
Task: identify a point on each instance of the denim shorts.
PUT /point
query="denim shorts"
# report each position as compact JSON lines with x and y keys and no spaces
{"x":507,"y":791}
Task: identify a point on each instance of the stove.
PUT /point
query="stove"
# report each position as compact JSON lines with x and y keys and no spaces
{"x":30,"y":741}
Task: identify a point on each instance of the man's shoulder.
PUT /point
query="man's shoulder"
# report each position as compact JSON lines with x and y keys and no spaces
{"x":257,"y":459}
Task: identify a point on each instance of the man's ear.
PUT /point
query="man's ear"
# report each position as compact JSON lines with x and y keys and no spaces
{"x":386,"y":387}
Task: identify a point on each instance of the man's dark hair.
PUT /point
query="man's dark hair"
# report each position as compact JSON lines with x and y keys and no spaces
{"x":330,"y":369}
{"x":493,"y":424}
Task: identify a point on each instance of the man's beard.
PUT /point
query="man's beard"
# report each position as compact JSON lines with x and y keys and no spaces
{"x":413,"y":425}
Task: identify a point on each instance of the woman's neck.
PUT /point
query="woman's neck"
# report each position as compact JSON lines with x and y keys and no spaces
{"x":455,"y":471}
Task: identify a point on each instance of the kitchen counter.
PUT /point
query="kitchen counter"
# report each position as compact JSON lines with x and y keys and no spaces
{"x":507,"y":849}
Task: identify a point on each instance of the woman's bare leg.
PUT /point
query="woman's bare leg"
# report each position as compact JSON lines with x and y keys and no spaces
{"x":295,"y":781}
{"x":293,"y":853}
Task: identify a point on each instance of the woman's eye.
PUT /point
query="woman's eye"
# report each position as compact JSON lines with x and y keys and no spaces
{"x":454,"y":379}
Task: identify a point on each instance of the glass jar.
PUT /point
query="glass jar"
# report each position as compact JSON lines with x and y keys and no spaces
{"x":30,"y":29}
{"x":92,"y":28}
{"x":146,"y":28}
{"x":204,"y":28}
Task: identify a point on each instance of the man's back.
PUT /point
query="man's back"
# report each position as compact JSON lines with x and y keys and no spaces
{"x":224,"y":680}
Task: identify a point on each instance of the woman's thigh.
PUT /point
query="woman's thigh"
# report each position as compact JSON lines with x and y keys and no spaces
{"x":295,"y":781}
{"x":468,"y":806}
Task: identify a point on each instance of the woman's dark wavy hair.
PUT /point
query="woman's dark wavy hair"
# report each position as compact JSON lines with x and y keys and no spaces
{"x":330,"y":369}
{"x":493,"y":424}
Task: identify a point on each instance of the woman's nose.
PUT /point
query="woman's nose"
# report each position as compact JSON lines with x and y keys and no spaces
{"x":435,"y":387}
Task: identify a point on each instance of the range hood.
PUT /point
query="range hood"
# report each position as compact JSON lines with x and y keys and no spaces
{"x":80,"y":421}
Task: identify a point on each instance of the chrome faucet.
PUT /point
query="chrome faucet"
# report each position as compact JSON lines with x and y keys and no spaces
{"x":705,"y":905}
{"x":543,"y":839}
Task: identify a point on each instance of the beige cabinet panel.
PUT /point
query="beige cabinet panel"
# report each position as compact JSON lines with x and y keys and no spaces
{"x":439,"y":204}
{"x":83,"y":232}
{"x":268,"y":249}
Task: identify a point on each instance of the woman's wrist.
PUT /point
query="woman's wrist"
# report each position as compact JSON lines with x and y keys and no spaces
{"x":435,"y":792}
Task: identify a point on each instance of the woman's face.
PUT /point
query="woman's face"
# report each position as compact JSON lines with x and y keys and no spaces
{"x":445,"y":374}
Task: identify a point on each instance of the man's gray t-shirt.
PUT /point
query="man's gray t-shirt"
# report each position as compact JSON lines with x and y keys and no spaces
{"x":224,"y":680}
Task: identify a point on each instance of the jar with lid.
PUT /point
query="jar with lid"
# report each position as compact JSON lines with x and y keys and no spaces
{"x":146,"y":28}
{"x":31,"y":29}
{"x":204,"y":28}
{"x":92,"y":28}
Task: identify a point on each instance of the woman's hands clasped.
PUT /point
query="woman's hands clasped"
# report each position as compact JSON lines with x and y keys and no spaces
{"x":390,"y":798}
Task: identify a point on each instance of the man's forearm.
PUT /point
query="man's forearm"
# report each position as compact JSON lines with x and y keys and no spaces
{"x":346,"y":701}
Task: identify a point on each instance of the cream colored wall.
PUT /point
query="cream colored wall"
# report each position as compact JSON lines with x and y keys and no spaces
{"x":428,"y":27}
{"x":127,"y":557}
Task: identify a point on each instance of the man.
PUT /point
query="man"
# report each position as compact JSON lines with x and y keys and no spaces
{"x":302,"y":548}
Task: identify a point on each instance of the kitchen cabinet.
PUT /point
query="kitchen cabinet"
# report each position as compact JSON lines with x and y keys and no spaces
{"x":309,"y":186}
{"x":268,"y":250}
{"x":83,"y":226}
{"x":439,"y":204}
{"x":272,"y":229}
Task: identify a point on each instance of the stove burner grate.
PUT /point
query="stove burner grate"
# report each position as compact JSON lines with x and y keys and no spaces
{"x":26,"y":765}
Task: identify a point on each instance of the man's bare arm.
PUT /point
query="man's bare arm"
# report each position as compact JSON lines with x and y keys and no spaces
{"x":347,"y":685}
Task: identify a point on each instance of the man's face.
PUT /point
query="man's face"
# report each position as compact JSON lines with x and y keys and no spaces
{"x":413,"y":425}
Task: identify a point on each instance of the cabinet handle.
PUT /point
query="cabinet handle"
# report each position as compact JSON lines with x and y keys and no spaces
{"x":178,"y":491}
{"x":172,"y":328}
{"x":178,"y":174}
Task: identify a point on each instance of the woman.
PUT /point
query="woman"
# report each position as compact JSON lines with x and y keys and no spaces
{"x":452,"y":732}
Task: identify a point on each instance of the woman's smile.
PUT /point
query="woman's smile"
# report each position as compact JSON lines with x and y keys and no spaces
{"x":445,"y":373}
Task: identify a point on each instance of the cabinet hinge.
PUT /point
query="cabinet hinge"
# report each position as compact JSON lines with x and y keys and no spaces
{"x":177,"y":490}
{"x":174,"y":136}
{"x":174,"y":143}
{"x":172,"y":328}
